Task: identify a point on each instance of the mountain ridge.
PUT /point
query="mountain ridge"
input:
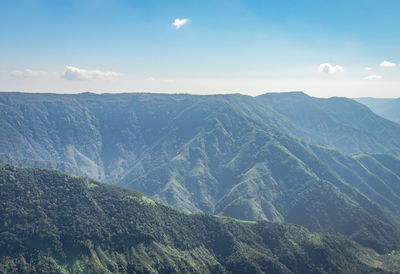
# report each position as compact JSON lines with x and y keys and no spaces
{"x":385,"y":107}
{"x":56,"y":222}
{"x":230,"y":155}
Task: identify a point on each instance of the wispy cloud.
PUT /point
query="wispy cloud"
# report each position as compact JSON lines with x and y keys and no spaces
{"x":161,"y":80}
{"x":178,"y":23}
{"x":74,"y":73}
{"x":328,"y":68}
{"x":367,"y":68}
{"x":373,"y":77}
{"x":387,"y":64}
{"x":27,"y":73}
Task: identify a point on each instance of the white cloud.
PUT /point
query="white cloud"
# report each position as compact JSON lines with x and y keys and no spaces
{"x":328,"y":68}
{"x":373,"y":77}
{"x":178,"y":23}
{"x":74,"y":73}
{"x":368,"y":68}
{"x":387,"y":64}
{"x":27,"y":73}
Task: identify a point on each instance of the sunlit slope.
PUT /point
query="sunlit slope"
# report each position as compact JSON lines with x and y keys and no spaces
{"x":230,"y":155}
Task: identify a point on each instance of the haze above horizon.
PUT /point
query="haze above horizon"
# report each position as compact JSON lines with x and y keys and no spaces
{"x":335,"y":48}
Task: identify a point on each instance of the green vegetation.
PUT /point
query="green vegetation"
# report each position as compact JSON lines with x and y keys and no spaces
{"x":54,"y":222}
{"x":232,"y":155}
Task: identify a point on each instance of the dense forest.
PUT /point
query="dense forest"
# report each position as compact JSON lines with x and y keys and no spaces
{"x":54,"y":222}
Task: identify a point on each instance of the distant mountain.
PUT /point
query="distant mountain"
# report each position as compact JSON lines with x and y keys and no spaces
{"x":341,"y":123}
{"x":56,"y":223}
{"x":387,"y":108}
{"x":233,"y":155}
{"x":104,"y":135}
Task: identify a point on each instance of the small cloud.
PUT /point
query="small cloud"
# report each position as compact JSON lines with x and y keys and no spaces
{"x":387,"y":64}
{"x":367,"y":68}
{"x":178,"y":23}
{"x":27,"y":73}
{"x":74,"y":73}
{"x":328,"y":68}
{"x":373,"y":77}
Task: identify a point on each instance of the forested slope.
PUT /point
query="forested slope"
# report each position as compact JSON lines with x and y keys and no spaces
{"x":54,"y":222}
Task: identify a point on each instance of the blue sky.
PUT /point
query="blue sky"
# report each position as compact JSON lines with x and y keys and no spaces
{"x":318,"y":46}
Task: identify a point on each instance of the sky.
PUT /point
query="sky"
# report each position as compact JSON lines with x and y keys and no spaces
{"x":325,"y":48}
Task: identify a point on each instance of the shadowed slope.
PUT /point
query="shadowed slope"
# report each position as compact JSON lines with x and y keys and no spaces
{"x":60,"y":223}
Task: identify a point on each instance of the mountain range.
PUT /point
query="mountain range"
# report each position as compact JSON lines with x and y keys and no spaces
{"x":385,"y":107}
{"x":330,"y":165}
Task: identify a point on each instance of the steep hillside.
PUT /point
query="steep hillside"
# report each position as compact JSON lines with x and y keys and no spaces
{"x":261,"y":176}
{"x":387,"y":108}
{"x":230,"y":155}
{"x":53,"y":222}
{"x":341,"y":123}
{"x":105,"y":135}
